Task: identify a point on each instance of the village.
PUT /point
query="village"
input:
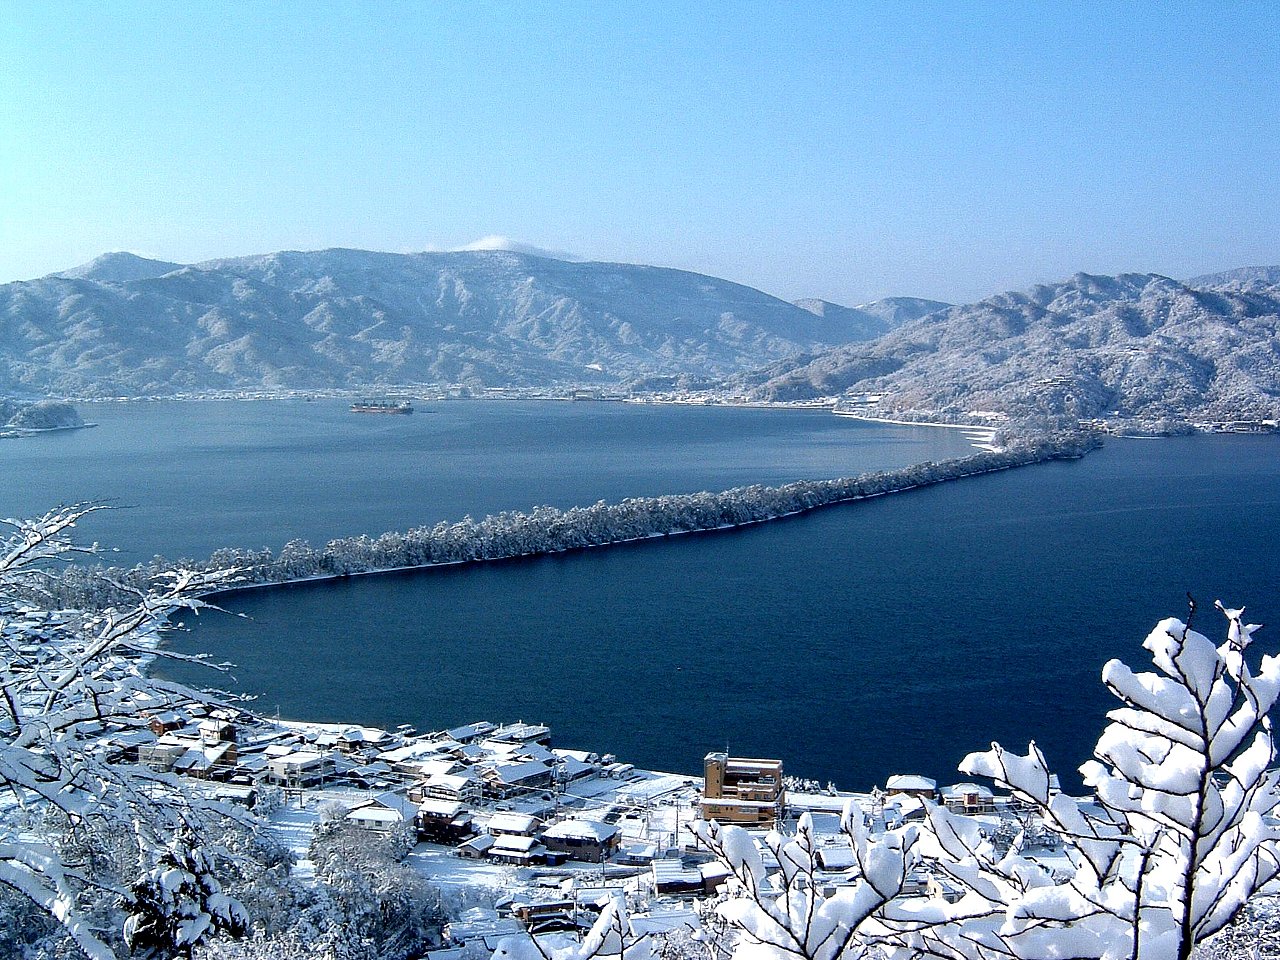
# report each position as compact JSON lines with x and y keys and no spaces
{"x":554,"y":834}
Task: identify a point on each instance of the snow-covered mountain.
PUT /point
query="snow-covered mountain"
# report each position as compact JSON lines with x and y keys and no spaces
{"x":119,"y":267}
{"x":876,"y":318}
{"x":1141,"y":345}
{"x":123,"y":325}
{"x":1244,"y":278}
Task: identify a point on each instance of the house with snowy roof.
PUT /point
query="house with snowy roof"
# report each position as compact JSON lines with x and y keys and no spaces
{"x":404,"y":757}
{"x":463,"y":787}
{"x":443,"y":821}
{"x":478,"y":847}
{"x":671,"y":876}
{"x":425,"y":769}
{"x":912,"y":785}
{"x":568,"y":769}
{"x":206,"y":761}
{"x":586,"y":840}
{"x":167,"y":722}
{"x":124,"y":745}
{"x":361,"y":738}
{"x":836,"y":856}
{"x":501,"y":780}
{"x":513,"y":824}
{"x":471,"y":731}
{"x":384,"y":813}
{"x":969,"y":798}
{"x":160,"y":755}
{"x":214,"y":731}
{"x":299,"y":768}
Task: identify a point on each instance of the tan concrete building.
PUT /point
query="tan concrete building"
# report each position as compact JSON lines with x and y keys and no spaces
{"x":743,"y":790}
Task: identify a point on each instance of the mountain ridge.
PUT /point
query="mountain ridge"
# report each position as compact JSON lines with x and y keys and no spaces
{"x":341,"y":318}
{"x":1135,"y":346}
{"x":118,"y":266}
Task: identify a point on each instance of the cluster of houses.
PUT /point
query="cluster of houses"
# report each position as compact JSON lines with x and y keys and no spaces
{"x":501,"y":793}
{"x":434,"y":783}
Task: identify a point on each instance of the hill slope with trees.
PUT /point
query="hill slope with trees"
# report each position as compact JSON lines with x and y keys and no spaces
{"x":1136,"y":346}
{"x":124,"y":325}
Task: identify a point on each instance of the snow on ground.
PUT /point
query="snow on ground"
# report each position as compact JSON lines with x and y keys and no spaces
{"x":294,"y":822}
{"x":447,"y":869}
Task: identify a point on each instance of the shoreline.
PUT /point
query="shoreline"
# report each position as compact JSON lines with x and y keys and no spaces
{"x":916,"y":423}
{"x":17,"y":433}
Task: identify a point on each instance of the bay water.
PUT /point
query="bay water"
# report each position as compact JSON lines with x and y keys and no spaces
{"x":888,"y":636}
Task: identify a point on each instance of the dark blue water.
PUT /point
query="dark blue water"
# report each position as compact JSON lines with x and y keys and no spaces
{"x":194,"y":476}
{"x":888,"y":636}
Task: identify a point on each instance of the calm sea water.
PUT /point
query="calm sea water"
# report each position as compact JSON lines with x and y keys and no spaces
{"x":888,"y":636}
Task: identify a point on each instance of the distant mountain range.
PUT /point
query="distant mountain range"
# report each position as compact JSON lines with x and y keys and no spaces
{"x":872,"y":320}
{"x":126,"y":325}
{"x":1138,"y":346}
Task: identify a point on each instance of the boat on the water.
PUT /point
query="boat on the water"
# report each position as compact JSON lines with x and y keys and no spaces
{"x":382,"y":406}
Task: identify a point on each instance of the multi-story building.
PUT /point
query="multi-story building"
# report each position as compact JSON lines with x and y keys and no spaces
{"x":742,"y":790}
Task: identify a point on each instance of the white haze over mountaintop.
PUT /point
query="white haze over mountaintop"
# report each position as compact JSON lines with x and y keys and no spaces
{"x":497,"y":242}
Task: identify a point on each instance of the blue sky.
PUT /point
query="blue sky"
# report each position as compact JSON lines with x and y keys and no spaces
{"x":844,"y":150}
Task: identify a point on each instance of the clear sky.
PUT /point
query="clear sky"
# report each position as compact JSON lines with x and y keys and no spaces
{"x":838,"y":150}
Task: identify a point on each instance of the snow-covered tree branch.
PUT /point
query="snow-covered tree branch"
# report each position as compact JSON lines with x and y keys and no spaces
{"x":66,"y":676}
{"x":1180,"y":834}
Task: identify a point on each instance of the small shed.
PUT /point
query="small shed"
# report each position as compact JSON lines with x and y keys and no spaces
{"x":477,"y":848}
{"x":521,"y":851}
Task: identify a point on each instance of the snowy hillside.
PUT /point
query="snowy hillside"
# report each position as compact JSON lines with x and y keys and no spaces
{"x":1141,"y":345}
{"x":877,"y":318}
{"x":350,"y":318}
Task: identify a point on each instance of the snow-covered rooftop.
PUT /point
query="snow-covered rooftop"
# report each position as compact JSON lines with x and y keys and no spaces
{"x":581,"y":830}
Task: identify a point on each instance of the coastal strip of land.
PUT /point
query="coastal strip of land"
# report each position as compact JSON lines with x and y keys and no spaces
{"x":546,"y":530}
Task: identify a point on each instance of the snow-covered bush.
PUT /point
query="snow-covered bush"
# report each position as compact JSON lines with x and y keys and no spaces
{"x":1182,"y":833}
{"x":611,"y":937}
{"x":381,"y":901}
{"x":1253,"y":935}
{"x":177,"y":903}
